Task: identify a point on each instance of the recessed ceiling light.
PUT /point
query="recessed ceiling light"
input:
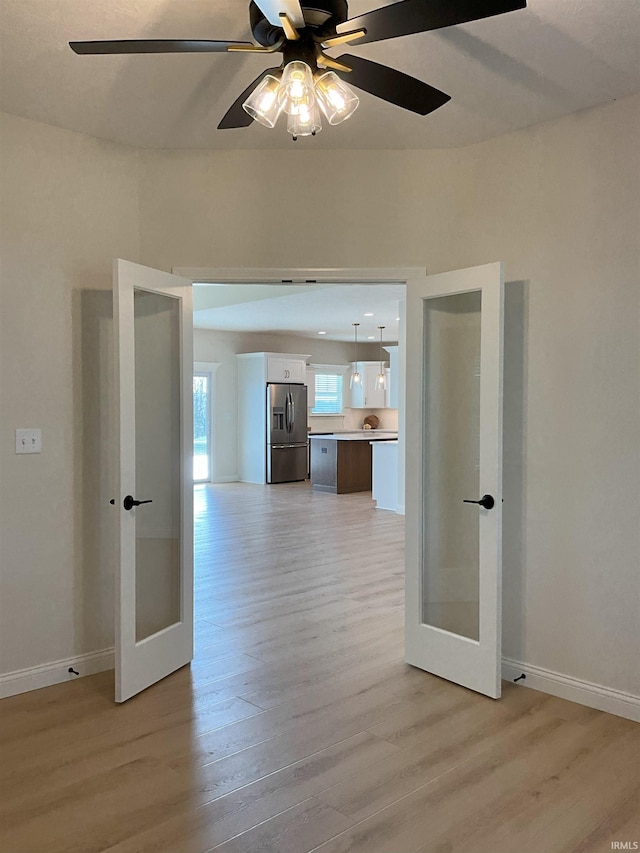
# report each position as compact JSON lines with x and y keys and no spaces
{"x":397,"y":319}
{"x":369,"y":314}
{"x":371,"y":337}
{"x":322,"y":333}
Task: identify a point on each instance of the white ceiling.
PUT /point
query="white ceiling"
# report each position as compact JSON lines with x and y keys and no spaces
{"x":301,"y":311}
{"x":503,"y":73}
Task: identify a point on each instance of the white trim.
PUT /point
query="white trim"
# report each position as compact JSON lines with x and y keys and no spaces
{"x":300,"y":275}
{"x":46,"y":674}
{"x":584,"y":692}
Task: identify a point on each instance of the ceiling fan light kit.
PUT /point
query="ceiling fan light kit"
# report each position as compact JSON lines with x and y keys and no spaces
{"x":308,"y":81}
{"x":301,"y":97}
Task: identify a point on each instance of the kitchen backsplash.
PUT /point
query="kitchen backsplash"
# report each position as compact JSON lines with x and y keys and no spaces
{"x":353,"y":419}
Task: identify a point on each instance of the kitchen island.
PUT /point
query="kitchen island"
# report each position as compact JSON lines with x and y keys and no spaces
{"x":341,"y":462}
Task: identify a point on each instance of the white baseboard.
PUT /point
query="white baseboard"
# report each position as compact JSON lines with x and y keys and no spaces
{"x":584,"y":692}
{"x":232,"y":478}
{"x":546,"y":680}
{"x":23,"y":680}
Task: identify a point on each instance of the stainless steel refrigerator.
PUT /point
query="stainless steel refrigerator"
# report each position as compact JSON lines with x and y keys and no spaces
{"x":287,"y":441}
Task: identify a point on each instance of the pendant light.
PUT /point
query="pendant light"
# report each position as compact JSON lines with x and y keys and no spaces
{"x":355,"y":376}
{"x":381,"y":383}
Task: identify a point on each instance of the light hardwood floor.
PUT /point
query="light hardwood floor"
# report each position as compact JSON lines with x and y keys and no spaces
{"x":298,"y":727}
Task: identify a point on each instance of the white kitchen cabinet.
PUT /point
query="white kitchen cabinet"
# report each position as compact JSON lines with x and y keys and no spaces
{"x":310,"y":382}
{"x":285,"y":368}
{"x":393,"y":384}
{"x":384,"y":489}
{"x":365,"y":395}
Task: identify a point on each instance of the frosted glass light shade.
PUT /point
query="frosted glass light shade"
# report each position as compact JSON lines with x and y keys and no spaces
{"x":305,"y":123}
{"x":336,"y":99}
{"x":263,"y":103}
{"x":297,"y":95}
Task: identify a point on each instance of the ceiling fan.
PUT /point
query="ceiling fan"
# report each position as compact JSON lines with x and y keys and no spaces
{"x":308,"y":82}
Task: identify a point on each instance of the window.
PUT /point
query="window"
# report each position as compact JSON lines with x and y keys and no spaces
{"x":201,"y":427}
{"x":204,"y":373}
{"x":328,"y":393}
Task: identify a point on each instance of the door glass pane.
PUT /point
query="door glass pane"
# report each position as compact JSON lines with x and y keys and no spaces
{"x":158,"y":466}
{"x":451,"y":570}
{"x":201,"y":426}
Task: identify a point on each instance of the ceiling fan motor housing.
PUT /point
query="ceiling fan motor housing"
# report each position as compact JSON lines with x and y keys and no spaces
{"x":321,"y":18}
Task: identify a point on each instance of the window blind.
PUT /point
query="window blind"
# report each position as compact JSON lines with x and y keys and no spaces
{"x":328,"y":394}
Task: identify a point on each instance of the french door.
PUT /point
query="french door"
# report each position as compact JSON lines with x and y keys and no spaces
{"x":154,"y":392}
{"x":454,"y":476}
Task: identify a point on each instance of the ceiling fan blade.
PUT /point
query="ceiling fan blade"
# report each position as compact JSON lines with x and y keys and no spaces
{"x":418,"y":16}
{"x":391,"y":85}
{"x":272,"y":9}
{"x":235,"y":116}
{"x":152,"y":46}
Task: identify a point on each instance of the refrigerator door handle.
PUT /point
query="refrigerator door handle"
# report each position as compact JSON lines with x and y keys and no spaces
{"x":293,"y":412}
{"x":289,"y":412}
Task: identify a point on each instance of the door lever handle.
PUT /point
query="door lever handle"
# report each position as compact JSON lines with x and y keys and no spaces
{"x":129,"y":502}
{"x":486,"y":501}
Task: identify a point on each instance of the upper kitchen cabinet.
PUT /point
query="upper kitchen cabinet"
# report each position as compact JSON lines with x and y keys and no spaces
{"x":365,"y":395}
{"x":286,"y":368}
{"x":393,"y":383}
{"x":310,"y":382}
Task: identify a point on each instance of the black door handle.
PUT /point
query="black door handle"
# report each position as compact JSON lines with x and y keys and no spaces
{"x":129,"y":502}
{"x":486,"y":501}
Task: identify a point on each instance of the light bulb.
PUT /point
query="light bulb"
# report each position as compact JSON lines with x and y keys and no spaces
{"x":337,"y":101}
{"x":355,"y":379}
{"x":296,"y":93}
{"x":263,"y":104}
{"x":305,"y":122}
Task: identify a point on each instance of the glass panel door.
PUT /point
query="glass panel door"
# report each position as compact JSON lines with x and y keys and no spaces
{"x":157,"y":402}
{"x":451,"y":463}
{"x":154,"y":562}
{"x":454,"y":476}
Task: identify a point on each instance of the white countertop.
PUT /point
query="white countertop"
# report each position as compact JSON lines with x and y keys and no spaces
{"x":393,"y":441}
{"x":370,"y":435}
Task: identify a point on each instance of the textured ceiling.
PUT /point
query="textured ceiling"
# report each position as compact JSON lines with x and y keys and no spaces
{"x":503,"y":73}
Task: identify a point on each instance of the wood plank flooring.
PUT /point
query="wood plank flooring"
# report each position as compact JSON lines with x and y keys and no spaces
{"x":299,"y":728}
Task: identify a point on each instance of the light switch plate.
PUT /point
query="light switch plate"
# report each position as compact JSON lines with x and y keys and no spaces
{"x":28,"y":441}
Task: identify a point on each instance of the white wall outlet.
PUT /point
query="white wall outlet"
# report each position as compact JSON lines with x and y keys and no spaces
{"x":28,"y":441}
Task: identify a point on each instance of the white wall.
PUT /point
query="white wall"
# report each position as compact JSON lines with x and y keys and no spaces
{"x":222,"y":347}
{"x":68,"y":205}
{"x":557,"y":202}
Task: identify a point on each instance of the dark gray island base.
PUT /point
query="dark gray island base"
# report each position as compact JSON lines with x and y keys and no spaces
{"x":342,"y":463}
